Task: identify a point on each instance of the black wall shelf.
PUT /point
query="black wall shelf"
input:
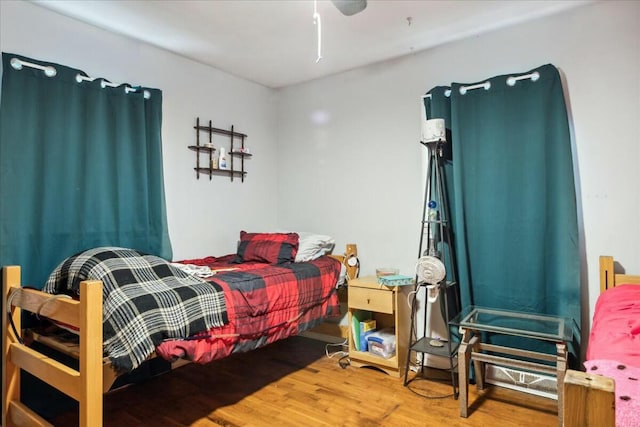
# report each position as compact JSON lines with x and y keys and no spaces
{"x":209,"y":151}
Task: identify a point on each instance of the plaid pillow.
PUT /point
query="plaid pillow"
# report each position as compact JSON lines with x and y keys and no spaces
{"x":272,"y":248}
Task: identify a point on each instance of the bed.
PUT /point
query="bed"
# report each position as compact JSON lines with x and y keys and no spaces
{"x":262,"y":302}
{"x":608,"y":392}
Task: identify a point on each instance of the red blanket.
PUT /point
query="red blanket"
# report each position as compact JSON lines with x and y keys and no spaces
{"x":265,"y":303}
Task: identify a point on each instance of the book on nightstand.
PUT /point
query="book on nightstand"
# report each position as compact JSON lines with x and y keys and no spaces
{"x":361,"y":326}
{"x":366,"y":328}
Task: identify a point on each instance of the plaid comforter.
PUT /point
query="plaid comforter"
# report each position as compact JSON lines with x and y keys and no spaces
{"x":265,"y":303}
{"x":145,"y":300}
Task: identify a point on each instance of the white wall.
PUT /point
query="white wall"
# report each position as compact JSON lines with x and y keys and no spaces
{"x":204,"y":216}
{"x":359,"y":176}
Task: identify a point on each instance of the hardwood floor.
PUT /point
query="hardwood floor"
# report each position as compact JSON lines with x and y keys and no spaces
{"x":293,"y":383}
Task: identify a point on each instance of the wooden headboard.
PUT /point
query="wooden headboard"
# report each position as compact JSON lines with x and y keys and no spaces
{"x":609,"y":278}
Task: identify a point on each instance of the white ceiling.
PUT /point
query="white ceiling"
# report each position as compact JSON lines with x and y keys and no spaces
{"x":274,"y":42}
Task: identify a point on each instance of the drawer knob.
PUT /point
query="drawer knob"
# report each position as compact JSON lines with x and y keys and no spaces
{"x":368,"y":301}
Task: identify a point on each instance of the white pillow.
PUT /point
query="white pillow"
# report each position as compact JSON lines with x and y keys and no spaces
{"x":312,"y":246}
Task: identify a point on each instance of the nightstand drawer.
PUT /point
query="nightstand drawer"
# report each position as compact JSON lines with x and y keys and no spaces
{"x":377,"y":300}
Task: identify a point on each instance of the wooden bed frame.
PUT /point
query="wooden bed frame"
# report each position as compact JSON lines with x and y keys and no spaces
{"x":95,"y":375}
{"x":86,"y":385}
{"x":589,"y":400}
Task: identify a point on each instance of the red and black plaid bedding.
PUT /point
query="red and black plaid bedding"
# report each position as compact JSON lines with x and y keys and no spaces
{"x":145,"y":300}
{"x":265,"y":303}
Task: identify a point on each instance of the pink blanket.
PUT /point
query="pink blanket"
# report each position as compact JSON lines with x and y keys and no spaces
{"x":627,"y":389}
{"x":614,"y":349}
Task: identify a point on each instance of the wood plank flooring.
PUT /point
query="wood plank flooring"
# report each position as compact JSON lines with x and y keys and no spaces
{"x":293,"y":383}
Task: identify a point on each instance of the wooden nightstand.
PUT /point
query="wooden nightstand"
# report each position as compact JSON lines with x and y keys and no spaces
{"x":388,"y":306}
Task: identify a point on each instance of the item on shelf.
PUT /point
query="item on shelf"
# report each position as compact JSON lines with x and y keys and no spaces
{"x":433,"y":130}
{"x":436,"y":342}
{"x":222,"y":162}
{"x":382,"y":343}
{"x":356,"y":325}
{"x":214,"y":162}
{"x":366,"y":328}
{"x":380,"y":272}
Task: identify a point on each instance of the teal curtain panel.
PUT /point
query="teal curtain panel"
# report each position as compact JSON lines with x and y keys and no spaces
{"x":80,"y":167}
{"x":514,"y":201}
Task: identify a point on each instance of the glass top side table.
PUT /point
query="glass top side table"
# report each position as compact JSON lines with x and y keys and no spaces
{"x":473,"y":320}
{"x":530,"y":325}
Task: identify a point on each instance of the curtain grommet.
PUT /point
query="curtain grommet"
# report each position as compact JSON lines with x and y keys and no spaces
{"x":16,"y":63}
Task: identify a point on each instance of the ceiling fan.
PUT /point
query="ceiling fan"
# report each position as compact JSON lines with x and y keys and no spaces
{"x":347,"y":7}
{"x":350,"y":7}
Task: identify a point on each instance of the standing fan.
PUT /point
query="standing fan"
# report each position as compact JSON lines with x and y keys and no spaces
{"x":431,"y":270}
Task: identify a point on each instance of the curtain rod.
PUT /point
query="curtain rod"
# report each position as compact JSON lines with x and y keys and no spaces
{"x":533,"y":76}
{"x":103,"y":84}
{"x":486,"y":85}
{"x":17,"y":64}
{"x":447,"y":93}
{"x":50,"y":71}
{"x":511,"y":81}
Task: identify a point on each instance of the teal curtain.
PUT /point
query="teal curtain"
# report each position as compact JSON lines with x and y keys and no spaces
{"x":514,"y":202}
{"x":80,"y":167}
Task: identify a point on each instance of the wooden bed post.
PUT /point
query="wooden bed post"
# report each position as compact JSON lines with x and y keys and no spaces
{"x":589,"y":400}
{"x":84,"y":385}
{"x":10,"y":372}
{"x":91,"y":353}
{"x":350,"y":261}
{"x":606,"y":273}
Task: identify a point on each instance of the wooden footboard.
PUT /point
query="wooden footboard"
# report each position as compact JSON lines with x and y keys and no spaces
{"x":85,"y":384}
{"x":589,"y":400}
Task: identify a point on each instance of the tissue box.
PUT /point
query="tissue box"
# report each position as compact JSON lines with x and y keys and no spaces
{"x":382,"y":343}
{"x":395,"y":280}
